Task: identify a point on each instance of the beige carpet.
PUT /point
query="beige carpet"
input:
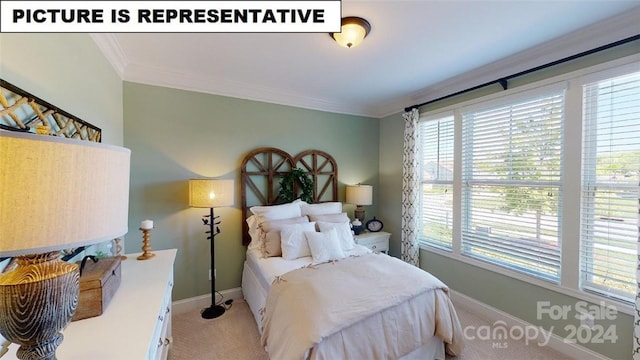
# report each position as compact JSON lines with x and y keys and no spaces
{"x":234,"y":336}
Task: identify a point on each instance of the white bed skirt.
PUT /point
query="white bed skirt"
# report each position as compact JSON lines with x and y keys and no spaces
{"x":255,"y":295}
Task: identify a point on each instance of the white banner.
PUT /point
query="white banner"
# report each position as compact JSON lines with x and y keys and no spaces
{"x":170,"y":16}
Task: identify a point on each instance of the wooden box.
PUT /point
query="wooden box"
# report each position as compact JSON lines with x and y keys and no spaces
{"x":98,"y":283}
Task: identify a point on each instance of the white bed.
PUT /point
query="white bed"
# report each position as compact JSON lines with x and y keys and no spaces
{"x":368,"y":338}
{"x":259,"y":273}
{"x":356,"y":305}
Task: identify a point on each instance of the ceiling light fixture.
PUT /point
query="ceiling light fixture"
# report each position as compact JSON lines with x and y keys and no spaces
{"x":354,"y":29}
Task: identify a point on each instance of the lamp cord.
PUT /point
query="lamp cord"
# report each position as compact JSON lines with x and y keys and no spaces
{"x":225,"y":304}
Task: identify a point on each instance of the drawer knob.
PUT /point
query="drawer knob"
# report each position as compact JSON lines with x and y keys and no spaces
{"x":373,"y":247}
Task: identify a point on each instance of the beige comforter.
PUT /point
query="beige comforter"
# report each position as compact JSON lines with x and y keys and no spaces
{"x":310,"y":304}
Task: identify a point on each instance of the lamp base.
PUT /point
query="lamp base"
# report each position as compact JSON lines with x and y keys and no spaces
{"x":213,"y":312}
{"x":358,"y":213}
{"x":39,"y":297}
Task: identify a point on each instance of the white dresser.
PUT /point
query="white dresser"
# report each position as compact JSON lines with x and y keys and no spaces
{"x":137,"y":322}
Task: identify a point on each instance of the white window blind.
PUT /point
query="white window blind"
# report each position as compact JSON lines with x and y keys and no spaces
{"x":511,"y":195}
{"x":610,"y":190}
{"x":437,"y":181}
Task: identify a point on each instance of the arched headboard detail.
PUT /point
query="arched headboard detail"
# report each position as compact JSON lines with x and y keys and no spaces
{"x":323,"y":171}
{"x":263,"y":168}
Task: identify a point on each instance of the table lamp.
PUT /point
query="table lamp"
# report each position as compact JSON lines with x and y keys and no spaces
{"x":55,"y":194}
{"x":211,"y":193}
{"x":359,"y":195}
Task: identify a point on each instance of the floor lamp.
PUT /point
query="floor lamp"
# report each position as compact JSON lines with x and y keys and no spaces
{"x":211,"y":193}
{"x":55,"y":194}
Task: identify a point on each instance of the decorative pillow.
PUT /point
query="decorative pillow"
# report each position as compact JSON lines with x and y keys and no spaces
{"x":276,"y":212}
{"x":343,"y":231}
{"x":321,"y":208}
{"x":256,"y":239}
{"x":324,"y":246}
{"x":272,"y":244}
{"x":293,"y":242}
{"x":340,"y":217}
{"x":270,"y":234}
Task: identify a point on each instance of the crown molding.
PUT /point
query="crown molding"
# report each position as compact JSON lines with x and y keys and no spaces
{"x":143,"y":74}
{"x":392,"y":107}
{"x":161,"y":77}
{"x":108,"y":44}
{"x":599,"y":34}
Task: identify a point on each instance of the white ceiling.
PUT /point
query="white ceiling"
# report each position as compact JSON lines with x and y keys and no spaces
{"x":416,"y":51}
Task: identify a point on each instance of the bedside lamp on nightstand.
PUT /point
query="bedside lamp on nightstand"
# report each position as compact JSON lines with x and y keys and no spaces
{"x":359,"y":195}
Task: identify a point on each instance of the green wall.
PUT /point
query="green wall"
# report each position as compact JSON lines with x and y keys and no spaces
{"x":175,"y":135}
{"x":512,"y":296}
{"x":68,"y":71}
{"x":391,"y":144}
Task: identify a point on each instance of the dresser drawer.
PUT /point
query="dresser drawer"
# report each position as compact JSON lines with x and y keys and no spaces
{"x":159,"y":349}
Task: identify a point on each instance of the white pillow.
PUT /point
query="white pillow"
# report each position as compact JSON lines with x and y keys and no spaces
{"x":324,"y":246}
{"x":270,"y":234}
{"x":277,"y":212}
{"x":343,"y":231}
{"x":321,"y":208}
{"x":330,"y":217}
{"x":294,"y":244}
{"x":269,"y":225}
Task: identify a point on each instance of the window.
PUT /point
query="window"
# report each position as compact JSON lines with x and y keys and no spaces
{"x":511,"y":158}
{"x":436,"y":161}
{"x":546,"y":184}
{"x":611,"y":165}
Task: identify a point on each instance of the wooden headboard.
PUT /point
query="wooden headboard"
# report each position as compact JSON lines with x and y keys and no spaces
{"x":263,"y":168}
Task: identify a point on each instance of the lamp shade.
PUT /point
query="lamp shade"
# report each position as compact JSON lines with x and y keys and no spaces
{"x":58,"y":193}
{"x":360,"y":194}
{"x":210,"y":193}
{"x":352,"y":32}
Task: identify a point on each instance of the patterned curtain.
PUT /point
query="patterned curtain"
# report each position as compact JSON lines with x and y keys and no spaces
{"x":636,"y":322}
{"x":410,"y":188}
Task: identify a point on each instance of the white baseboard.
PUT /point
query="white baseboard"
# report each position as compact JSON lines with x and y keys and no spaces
{"x":198,"y":303}
{"x":492,"y":315}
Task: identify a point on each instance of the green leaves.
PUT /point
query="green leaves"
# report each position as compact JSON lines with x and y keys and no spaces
{"x":295,"y":182}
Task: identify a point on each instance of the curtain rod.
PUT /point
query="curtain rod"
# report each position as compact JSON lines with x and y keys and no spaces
{"x":503,"y":81}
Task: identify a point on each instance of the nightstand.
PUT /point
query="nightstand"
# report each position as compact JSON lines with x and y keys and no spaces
{"x":376,"y":241}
